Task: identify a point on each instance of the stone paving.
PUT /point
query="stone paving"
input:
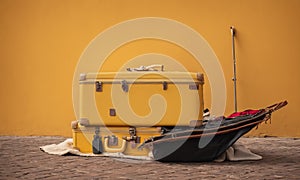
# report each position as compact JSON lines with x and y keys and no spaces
{"x":21,"y":158}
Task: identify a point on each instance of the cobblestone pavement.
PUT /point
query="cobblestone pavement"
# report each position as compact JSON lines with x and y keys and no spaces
{"x":20,"y":157}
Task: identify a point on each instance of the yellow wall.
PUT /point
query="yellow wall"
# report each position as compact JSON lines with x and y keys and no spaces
{"x":41,"y":42}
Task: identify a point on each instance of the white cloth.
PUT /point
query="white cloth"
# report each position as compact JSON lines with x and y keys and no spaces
{"x":237,"y":152}
{"x":66,"y":147}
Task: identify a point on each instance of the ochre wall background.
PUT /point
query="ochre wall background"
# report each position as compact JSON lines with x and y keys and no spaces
{"x":41,"y":42}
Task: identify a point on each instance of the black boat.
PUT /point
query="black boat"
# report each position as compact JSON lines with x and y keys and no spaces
{"x":208,"y":141}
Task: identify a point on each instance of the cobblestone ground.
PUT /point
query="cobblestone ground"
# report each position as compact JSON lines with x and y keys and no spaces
{"x":20,"y":157}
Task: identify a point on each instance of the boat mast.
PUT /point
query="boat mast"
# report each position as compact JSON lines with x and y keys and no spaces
{"x":232,"y":29}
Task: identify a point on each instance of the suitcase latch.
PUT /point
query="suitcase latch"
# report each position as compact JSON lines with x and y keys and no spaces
{"x":133,"y":137}
{"x":165,"y":85}
{"x":124,"y":85}
{"x":99,"y":86}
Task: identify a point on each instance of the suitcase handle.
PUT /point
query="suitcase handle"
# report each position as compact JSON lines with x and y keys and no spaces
{"x":114,"y":150}
{"x":152,"y":67}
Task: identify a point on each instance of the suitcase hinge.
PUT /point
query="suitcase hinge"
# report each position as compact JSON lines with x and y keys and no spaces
{"x":99,"y":86}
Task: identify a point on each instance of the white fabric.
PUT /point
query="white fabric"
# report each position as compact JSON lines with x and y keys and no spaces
{"x":66,"y":147}
{"x":237,"y":152}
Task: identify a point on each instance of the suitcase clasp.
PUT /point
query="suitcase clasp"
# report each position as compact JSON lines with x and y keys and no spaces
{"x":165,"y":85}
{"x":124,"y":85}
{"x":99,"y":86}
{"x":133,"y":136}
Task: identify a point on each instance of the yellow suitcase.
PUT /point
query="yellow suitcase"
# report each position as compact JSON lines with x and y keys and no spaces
{"x":140,"y":99}
{"x":125,"y":140}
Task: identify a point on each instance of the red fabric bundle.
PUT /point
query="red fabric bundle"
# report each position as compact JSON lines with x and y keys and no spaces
{"x":244,"y":113}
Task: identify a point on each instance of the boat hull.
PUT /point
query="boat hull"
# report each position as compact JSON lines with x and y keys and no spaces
{"x":204,"y":148}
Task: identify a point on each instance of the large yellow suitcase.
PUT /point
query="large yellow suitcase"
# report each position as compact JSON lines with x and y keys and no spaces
{"x":140,"y":99}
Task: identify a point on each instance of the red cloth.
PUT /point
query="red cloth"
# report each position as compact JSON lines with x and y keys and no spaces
{"x":244,"y":113}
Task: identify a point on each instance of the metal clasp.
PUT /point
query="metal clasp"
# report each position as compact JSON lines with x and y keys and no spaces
{"x":132,"y":136}
{"x":99,"y":86}
{"x":124,"y":85}
{"x":165,"y":85}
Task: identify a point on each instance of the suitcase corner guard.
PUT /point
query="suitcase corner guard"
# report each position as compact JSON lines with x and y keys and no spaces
{"x":82,"y":77}
{"x":84,"y":121}
{"x":74,"y":124}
